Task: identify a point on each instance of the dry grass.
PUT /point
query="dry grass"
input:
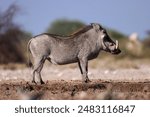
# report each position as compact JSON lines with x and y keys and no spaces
{"x":112,"y":63}
{"x":12,"y":66}
{"x":97,"y":63}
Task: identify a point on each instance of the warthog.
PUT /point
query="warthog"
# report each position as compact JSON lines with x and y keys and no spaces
{"x":79,"y":47}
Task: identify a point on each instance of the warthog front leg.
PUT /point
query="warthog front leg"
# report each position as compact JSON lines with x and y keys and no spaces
{"x":83,"y":65}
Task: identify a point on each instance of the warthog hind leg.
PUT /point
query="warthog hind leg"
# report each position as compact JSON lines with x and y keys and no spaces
{"x":37,"y":69}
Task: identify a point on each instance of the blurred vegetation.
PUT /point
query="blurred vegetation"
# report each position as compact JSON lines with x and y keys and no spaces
{"x":64,"y":27}
{"x":12,"y":48}
{"x":116,"y":34}
{"x":146,"y":41}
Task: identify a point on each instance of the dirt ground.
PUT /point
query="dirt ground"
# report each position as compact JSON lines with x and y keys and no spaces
{"x":116,"y":80}
{"x":60,"y":89}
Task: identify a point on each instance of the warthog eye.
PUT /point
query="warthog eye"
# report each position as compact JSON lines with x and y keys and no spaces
{"x":111,"y":44}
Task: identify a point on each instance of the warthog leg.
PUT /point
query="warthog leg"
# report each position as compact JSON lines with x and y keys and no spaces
{"x":83,"y":65}
{"x":37,"y":69}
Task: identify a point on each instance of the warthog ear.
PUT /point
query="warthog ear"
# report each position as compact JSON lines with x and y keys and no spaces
{"x":96,"y":26}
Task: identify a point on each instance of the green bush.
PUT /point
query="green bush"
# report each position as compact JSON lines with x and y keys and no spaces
{"x":64,"y":27}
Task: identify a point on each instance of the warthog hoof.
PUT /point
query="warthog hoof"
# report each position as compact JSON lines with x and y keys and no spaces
{"x":42,"y":82}
{"x":34,"y":82}
{"x":87,"y":81}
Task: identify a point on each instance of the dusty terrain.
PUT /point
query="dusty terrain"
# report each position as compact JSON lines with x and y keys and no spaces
{"x":110,"y":80}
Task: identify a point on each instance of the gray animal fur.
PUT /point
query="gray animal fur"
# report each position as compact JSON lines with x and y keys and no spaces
{"x":80,"y":47}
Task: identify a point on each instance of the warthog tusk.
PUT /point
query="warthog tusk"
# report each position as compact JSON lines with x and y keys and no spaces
{"x":117,"y":44}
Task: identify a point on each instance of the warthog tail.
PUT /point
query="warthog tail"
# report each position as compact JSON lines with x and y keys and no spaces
{"x":29,"y":52}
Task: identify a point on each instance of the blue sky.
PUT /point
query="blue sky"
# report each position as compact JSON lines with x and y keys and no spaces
{"x":126,"y":16}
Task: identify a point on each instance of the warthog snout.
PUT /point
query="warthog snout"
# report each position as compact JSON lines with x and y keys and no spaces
{"x":117,"y":50}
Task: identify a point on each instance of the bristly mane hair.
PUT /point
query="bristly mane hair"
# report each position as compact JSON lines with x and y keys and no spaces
{"x":81,"y":30}
{"x":77,"y":33}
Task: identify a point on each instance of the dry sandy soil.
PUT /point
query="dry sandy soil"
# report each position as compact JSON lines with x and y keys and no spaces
{"x":128,"y":79}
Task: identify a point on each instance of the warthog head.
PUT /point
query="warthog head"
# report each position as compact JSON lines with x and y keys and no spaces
{"x":106,"y":42}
